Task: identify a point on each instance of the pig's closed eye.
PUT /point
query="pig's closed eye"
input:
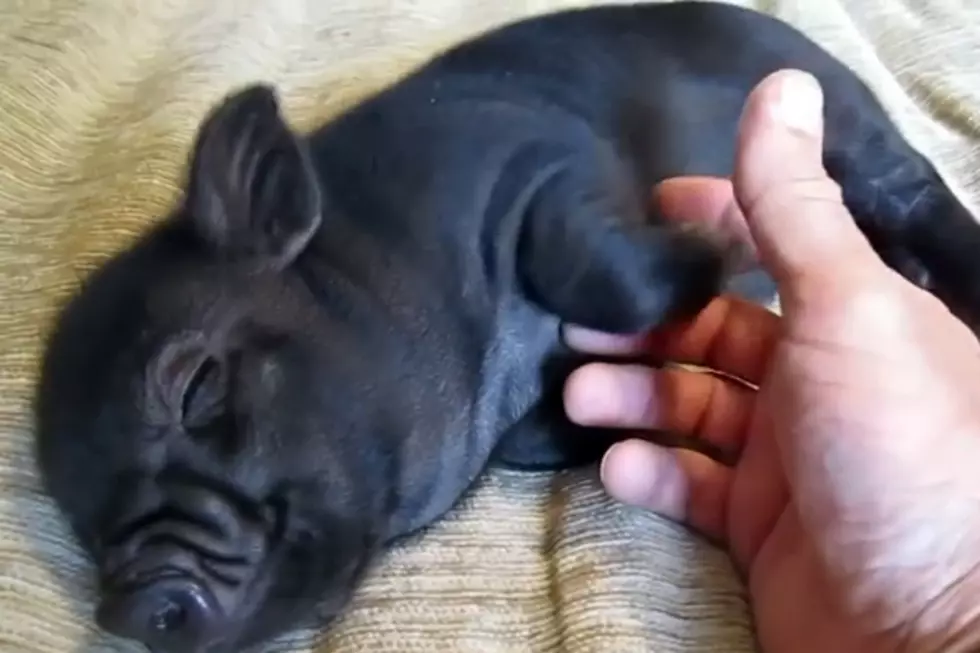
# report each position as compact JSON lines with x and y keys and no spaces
{"x":205,"y":395}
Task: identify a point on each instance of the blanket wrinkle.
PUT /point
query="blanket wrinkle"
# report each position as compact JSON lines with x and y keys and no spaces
{"x":99,"y":103}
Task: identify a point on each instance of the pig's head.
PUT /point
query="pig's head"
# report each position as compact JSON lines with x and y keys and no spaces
{"x":201,"y":418}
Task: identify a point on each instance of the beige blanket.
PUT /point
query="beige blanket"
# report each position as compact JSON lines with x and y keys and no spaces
{"x":98,"y":100}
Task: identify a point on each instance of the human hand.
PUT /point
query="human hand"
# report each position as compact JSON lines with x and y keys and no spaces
{"x":853,"y":507}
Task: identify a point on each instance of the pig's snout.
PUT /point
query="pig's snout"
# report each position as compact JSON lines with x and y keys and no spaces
{"x":172,"y":612}
{"x":179,"y":573}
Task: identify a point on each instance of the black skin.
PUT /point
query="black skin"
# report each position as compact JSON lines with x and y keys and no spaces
{"x":333,"y":335}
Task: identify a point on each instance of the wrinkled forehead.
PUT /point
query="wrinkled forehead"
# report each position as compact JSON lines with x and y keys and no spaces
{"x":198,"y":296}
{"x":217,"y":298}
{"x":169,"y":280}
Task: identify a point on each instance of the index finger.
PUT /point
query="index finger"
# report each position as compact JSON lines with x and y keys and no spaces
{"x":731,"y":336}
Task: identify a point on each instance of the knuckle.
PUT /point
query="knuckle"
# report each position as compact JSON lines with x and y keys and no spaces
{"x":787,"y":194}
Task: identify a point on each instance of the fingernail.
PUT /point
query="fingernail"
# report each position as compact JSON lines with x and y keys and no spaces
{"x":604,"y":464}
{"x":799,"y":104}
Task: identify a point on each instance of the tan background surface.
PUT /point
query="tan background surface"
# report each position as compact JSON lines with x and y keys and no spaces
{"x":98,"y":101}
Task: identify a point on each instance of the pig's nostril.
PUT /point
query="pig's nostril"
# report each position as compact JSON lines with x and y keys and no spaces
{"x":171,"y":613}
{"x":170,"y":617}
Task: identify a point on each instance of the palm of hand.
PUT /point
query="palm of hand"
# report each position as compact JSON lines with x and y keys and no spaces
{"x":795,"y":607}
{"x":829,"y":556}
{"x":865,"y":547}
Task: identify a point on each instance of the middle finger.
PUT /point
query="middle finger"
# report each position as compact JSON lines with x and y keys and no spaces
{"x":731,"y":336}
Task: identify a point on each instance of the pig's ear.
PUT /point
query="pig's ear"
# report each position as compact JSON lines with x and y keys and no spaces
{"x":251,"y":190}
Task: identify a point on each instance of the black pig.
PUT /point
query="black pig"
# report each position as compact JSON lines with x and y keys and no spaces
{"x":332,"y":335}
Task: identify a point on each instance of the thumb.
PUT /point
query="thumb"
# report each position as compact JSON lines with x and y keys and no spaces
{"x":795,"y":213}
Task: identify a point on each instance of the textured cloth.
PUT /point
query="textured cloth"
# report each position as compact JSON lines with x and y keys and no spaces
{"x":98,"y":103}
